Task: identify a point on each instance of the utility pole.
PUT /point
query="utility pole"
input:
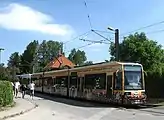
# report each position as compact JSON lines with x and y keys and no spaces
{"x":1,"y":49}
{"x":117,"y":44}
{"x":35,"y":62}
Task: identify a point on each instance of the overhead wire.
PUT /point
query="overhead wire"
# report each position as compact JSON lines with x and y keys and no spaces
{"x":84,"y":34}
{"x":95,"y":41}
{"x":89,"y":19}
{"x":151,"y":25}
{"x":157,"y":31}
{"x":103,"y":31}
{"x":101,"y":36}
{"x":91,"y":30}
{"x":81,"y":47}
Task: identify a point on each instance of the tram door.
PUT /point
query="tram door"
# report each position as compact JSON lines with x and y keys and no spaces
{"x":109,"y":86}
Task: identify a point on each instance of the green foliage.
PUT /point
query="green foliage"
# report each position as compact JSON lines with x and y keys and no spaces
{"x":28,"y":57}
{"x":154,"y":85}
{"x":106,"y":60}
{"x":6,"y":93}
{"x":35,"y":57}
{"x":14,"y":60}
{"x":138,"y":48}
{"x":48,"y":50}
{"x":13,"y":65}
{"x":88,"y":63}
{"x":5,"y":73}
{"x":77,"y":57}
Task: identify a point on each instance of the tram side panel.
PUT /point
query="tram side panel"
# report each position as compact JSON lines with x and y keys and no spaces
{"x":38,"y":84}
{"x":95,"y":87}
{"x":80,"y":87}
{"x":47,"y":84}
{"x":60,"y":85}
{"x":73,"y":86}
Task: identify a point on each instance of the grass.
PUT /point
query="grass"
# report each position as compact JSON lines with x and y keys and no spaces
{"x":3,"y":108}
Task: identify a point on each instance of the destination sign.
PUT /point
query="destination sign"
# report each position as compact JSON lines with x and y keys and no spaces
{"x":132,"y":68}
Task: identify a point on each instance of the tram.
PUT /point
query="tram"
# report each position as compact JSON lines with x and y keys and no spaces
{"x":24,"y":78}
{"x":115,"y":82}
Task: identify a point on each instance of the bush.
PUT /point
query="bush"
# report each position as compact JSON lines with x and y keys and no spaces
{"x":154,"y":85}
{"x":6,"y":93}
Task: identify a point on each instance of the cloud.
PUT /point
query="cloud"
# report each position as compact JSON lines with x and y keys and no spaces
{"x":20,"y":17}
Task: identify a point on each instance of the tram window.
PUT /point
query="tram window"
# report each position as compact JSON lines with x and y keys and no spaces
{"x":62,"y":81}
{"x":40,"y":82}
{"x":49,"y":81}
{"x":45,"y":82}
{"x":102,"y":81}
{"x":95,"y":81}
{"x":54,"y":81}
{"x":58,"y":80}
{"x":118,"y":83}
{"x":37,"y":83}
{"x":73,"y":81}
{"x":89,"y":81}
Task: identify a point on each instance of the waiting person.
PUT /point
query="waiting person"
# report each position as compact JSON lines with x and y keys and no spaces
{"x":23,"y":89}
{"x":13,"y":87}
{"x":32,"y":86}
{"x":17,"y":84}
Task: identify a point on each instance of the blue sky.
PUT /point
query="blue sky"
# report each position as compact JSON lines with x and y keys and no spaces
{"x":22,"y":21}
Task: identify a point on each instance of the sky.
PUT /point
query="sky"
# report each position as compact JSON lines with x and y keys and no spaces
{"x":22,"y":21}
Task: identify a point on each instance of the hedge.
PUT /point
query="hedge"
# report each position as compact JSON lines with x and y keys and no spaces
{"x":154,"y":85}
{"x":6,"y":93}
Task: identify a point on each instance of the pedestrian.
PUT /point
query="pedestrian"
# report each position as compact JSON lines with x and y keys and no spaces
{"x":32,"y":86}
{"x":23,"y":89}
{"x":13,"y":88}
{"x":17,"y":84}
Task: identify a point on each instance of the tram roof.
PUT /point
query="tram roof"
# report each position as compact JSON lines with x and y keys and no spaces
{"x":92,"y":65}
{"x":24,"y":75}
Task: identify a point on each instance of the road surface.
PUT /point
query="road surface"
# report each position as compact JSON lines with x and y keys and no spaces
{"x":65,"y":109}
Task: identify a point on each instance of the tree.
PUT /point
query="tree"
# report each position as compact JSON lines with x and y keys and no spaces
{"x":77,"y":57}
{"x":28,"y":57}
{"x":48,"y":50}
{"x":88,"y":63}
{"x":13,"y":66}
{"x":4,"y":73}
{"x":138,"y":48}
{"x":106,"y":60}
{"x":14,"y":60}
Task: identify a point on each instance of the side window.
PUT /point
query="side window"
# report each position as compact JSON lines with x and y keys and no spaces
{"x":61,"y":81}
{"x":118,"y":81}
{"x":64,"y":81}
{"x":95,"y":81}
{"x":73,"y":81}
{"x":49,"y":81}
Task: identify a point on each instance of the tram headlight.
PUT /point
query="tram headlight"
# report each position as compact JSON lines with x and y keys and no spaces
{"x":127,"y":94}
{"x":143,"y":94}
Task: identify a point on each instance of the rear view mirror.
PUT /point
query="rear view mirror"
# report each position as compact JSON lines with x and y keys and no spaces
{"x":117,"y":73}
{"x":145,"y":73}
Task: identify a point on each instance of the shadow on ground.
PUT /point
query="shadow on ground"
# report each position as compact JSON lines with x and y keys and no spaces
{"x":73,"y":102}
{"x":84,"y":103}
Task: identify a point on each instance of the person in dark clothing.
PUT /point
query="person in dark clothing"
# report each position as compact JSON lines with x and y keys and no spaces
{"x":23,"y":89}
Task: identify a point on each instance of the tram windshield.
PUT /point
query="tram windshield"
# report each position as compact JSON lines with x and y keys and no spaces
{"x":133,"y":77}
